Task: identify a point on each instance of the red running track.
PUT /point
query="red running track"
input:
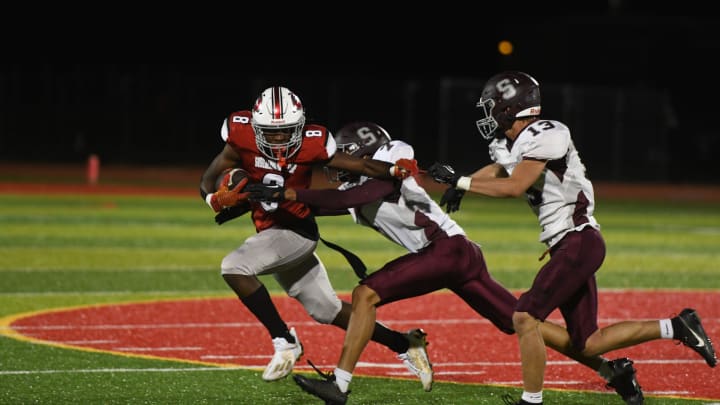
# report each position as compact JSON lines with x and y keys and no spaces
{"x":464,"y":347}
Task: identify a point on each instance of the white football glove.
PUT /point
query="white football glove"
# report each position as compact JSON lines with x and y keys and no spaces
{"x":499,"y":152}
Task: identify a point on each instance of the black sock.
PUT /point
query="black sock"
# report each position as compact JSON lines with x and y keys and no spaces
{"x":260,"y":304}
{"x":396,"y":341}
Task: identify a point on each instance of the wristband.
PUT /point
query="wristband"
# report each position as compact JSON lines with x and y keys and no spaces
{"x":463,"y":183}
{"x":392,"y":170}
{"x":208,"y":200}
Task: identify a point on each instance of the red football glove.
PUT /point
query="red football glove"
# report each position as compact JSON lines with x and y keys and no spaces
{"x":228,"y":175}
{"x":404,"y":168}
{"x":224,"y":197}
{"x":223,"y":185}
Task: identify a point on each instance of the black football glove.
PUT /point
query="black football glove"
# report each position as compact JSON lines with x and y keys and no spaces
{"x":265,"y":192}
{"x":227,"y":214}
{"x":452,"y":198}
{"x":443,"y":174}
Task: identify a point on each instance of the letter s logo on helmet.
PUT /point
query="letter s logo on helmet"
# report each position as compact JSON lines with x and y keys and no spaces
{"x":506,"y":97}
{"x":358,"y":139}
{"x":278,"y":110}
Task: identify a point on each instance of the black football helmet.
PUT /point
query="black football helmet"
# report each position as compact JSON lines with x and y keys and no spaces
{"x":506,"y":97}
{"x":358,"y":139}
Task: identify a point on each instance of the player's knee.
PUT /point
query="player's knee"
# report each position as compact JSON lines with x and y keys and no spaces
{"x":325,"y":314}
{"x":364,"y":296}
{"x":523,"y":322}
{"x":321,"y":306}
{"x":229,"y":266}
{"x":592,"y":346}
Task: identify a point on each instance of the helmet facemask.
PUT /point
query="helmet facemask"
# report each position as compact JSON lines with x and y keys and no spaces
{"x":486,"y":124}
{"x":278,"y":110}
{"x":279,"y":151}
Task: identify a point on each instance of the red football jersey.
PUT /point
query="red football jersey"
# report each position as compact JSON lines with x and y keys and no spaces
{"x":317,"y":147}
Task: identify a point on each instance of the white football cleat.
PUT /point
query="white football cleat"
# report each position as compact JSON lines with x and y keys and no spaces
{"x":283,"y":361}
{"x":416,"y":358}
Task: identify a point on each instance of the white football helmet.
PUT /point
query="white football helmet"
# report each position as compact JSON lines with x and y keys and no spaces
{"x":278,"y":109}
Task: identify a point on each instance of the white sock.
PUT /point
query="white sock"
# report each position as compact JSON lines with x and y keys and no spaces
{"x":605,"y":371}
{"x":532,"y":397}
{"x":666,"y":329}
{"x":342,"y":379}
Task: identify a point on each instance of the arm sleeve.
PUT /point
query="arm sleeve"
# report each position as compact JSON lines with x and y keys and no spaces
{"x":332,"y":199}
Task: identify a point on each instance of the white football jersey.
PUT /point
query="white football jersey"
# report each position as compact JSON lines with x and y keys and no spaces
{"x":563,"y":197}
{"x":412,"y":219}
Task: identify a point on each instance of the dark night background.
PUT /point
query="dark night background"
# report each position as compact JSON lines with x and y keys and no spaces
{"x":639,"y":92}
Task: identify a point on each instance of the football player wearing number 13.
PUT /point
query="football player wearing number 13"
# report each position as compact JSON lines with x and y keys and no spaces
{"x":536,"y":157}
{"x":273,"y":144}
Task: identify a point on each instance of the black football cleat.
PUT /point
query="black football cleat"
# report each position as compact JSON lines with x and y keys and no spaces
{"x":325,"y":389}
{"x":692,"y":334}
{"x":624,"y":381}
{"x":508,"y":400}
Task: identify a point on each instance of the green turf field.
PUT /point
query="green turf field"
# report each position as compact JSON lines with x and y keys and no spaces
{"x":60,"y":251}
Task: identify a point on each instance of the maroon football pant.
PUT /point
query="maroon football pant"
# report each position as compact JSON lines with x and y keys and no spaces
{"x":567,"y":282}
{"x":455,"y":263}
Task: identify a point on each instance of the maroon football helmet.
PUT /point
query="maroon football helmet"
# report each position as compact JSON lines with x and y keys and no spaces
{"x":359,"y":139}
{"x":506,"y":97}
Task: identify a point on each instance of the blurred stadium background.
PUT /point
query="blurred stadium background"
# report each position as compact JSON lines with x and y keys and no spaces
{"x":638,"y":91}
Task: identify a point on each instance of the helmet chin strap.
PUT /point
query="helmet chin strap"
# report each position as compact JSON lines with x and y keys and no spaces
{"x":281,"y":158}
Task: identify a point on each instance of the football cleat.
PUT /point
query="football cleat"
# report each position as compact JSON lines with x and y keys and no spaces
{"x":283,"y":361}
{"x":325,"y":389}
{"x":416,"y":358}
{"x":508,"y":400}
{"x":624,"y":381}
{"x":692,"y":334}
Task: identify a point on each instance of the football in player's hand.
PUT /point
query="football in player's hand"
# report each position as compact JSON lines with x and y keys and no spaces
{"x":230,"y":178}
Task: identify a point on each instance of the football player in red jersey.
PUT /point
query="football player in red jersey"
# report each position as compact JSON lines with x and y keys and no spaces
{"x":275,"y":146}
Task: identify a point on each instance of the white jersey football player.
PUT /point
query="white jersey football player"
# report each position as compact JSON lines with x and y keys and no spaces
{"x":536,"y":157}
{"x":562,"y":197}
{"x":392,"y":219}
{"x":440,"y":256}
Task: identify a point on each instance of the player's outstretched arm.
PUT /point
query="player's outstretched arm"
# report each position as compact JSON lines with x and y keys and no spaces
{"x":403,"y":168}
{"x":330,"y":199}
{"x":488,"y":181}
